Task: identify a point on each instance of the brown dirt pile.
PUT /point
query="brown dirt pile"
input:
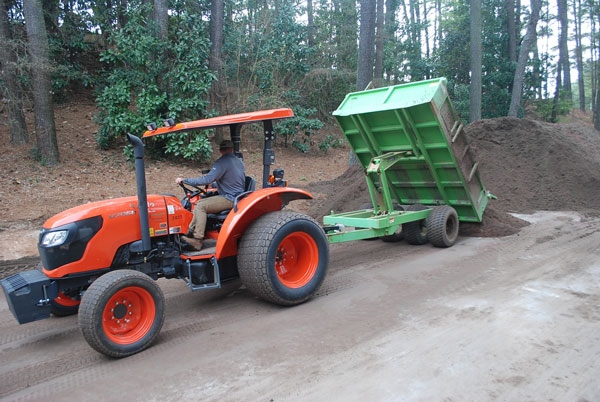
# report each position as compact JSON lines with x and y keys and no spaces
{"x":528,"y":165}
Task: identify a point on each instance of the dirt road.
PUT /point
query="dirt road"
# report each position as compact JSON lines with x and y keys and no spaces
{"x":512,"y":319}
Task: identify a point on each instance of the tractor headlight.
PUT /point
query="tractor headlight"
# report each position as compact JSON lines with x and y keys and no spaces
{"x":52,"y":239}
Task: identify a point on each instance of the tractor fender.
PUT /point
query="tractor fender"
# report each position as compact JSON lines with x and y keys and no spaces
{"x":250,"y":208}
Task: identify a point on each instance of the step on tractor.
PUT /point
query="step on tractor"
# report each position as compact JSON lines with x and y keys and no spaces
{"x":102,"y":260}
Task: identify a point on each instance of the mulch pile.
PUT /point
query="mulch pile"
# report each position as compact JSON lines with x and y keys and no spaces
{"x":528,"y":165}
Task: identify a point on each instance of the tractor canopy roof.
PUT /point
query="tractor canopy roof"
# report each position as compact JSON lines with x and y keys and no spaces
{"x":233,"y":120}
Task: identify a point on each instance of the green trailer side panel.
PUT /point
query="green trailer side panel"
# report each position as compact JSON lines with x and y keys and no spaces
{"x":417,"y":118}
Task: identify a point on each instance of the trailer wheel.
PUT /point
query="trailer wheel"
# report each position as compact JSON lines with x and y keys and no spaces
{"x":64,"y":305}
{"x":442,"y":226}
{"x":415,"y":232}
{"x":283,"y":257}
{"x":122,"y":313}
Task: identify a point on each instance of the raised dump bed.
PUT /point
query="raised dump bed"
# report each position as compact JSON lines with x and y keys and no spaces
{"x":411,"y":143}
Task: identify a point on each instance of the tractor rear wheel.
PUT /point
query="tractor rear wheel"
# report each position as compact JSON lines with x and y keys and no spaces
{"x":122,"y":313}
{"x":442,"y":226}
{"x":415,"y":232}
{"x":283,"y":257}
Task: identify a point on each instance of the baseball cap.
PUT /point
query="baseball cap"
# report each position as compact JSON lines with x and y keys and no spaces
{"x":225,"y":144}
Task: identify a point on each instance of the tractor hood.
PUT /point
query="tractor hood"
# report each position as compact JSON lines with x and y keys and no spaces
{"x":113,"y":207}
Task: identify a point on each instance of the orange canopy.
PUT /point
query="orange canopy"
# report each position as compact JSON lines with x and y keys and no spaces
{"x":240,"y":118}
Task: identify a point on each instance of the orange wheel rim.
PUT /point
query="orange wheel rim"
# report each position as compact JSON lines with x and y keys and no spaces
{"x":128,"y":315}
{"x":296,"y":260}
{"x":66,"y":301}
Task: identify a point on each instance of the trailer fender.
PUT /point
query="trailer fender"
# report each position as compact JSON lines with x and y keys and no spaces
{"x":248,"y":209}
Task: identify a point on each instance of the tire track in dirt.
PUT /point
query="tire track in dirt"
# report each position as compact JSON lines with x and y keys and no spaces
{"x":188,"y":315}
{"x":204,"y":315}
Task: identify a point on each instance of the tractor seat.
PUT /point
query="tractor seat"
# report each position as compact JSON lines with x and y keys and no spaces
{"x":250,"y":186}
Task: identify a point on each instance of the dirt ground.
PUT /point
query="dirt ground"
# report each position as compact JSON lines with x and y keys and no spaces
{"x":509,"y":313}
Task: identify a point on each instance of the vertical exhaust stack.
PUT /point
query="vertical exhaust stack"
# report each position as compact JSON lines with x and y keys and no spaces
{"x":140,"y":179}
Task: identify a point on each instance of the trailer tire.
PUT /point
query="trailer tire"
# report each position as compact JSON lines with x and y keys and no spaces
{"x":122,"y":313}
{"x":442,"y":226}
{"x":283,"y":257}
{"x":415,"y":232}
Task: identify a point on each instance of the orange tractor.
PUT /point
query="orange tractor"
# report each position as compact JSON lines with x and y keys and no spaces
{"x":101,"y":259}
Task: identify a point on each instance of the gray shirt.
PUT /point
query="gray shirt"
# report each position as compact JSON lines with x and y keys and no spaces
{"x":227,"y":173}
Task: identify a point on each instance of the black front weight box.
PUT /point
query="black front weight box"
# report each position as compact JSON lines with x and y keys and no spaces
{"x":28,"y":295}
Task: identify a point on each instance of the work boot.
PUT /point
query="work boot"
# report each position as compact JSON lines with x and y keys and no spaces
{"x":194,"y":243}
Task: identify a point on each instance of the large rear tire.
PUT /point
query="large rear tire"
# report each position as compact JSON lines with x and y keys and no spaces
{"x":442,"y":226}
{"x":283,"y":257}
{"x":122,"y":313}
{"x":415,"y":232}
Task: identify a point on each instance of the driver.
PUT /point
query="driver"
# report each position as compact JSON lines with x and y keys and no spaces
{"x":229,"y":176}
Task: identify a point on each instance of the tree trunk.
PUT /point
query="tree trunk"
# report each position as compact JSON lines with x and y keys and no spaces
{"x":475,"y":90}
{"x":43,"y":108}
{"x":563,"y":48}
{"x":597,"y":105}
{"x":579,"y":53}
{"x":513,"y":33}
{"x":528,"y":40}
{"x":557,"y":95}
{"x":378,"y":72}
{"x":366,"y":44}
{"x":310,"y":24}
{"x":215,"y":62}
{"x":10,"y":75}
{"x":161,"y":17}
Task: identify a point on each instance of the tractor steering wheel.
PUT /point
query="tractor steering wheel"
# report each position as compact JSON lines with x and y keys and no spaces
{"x":189,"y":194}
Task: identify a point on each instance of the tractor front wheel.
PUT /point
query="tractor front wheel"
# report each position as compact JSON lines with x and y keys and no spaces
{"x":122,"y":313}
{"x":64,"y":305}
{"x":283,"y":257}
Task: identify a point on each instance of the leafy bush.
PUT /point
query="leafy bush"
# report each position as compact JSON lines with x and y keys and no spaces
{"x":300,"y":129}
{"x":152,"y":80}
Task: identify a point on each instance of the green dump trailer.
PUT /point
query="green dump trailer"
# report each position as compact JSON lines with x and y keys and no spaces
{"x":420,"y":171}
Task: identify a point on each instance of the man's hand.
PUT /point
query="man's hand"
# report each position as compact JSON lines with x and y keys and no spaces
{"x":179,"y":180}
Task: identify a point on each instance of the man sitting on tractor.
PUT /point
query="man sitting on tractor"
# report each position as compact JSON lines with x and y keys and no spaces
{"x":228,"y":173}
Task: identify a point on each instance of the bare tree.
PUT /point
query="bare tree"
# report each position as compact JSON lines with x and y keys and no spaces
{"x":476,"y":57}
{"x":526,"y":45}
{"x":45,"y":132}
{"x":12,"y":90}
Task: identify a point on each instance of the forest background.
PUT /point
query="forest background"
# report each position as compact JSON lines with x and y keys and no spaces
{"x":152,"y":60}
